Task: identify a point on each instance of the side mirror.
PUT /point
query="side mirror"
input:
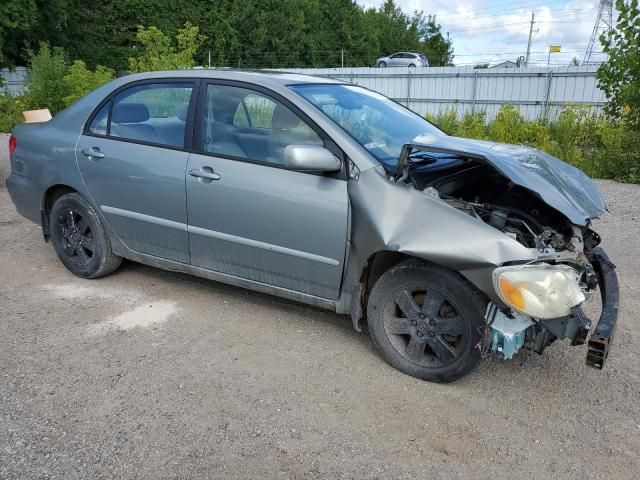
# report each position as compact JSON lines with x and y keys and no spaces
{"x":310,"y":158}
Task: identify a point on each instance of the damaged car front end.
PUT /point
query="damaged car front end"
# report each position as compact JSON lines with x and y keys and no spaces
{"x":546,"y":206}
{"x":504,"y":230}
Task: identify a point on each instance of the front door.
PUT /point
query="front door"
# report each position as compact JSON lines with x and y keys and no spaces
{"x":133,"y":160}
{"x":248,"y":216}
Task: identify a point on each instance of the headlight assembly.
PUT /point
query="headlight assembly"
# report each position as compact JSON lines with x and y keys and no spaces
{"x":540,"y":291}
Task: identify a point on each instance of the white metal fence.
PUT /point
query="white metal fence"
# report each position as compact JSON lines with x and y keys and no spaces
{"x":536,"y":91}
{"x":13,"y":80}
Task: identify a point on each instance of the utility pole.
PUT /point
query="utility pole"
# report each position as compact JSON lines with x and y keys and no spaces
{"x":526,"y":60}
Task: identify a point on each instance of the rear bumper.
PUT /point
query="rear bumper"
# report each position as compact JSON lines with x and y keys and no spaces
{"x":602,"y":337}
{"x":26,"y":195}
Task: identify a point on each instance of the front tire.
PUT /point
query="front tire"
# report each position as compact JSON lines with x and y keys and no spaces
{"x":427,"y":321}
{"x":79,"y":239}
{"x":382,"y":65}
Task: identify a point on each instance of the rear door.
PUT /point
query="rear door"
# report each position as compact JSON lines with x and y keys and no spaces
{"x":248,"y":216}
{"x":133,"y":159}
{"x":407,"y":59}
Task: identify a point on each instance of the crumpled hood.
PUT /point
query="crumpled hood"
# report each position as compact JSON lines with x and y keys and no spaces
{"x":561,"y":186}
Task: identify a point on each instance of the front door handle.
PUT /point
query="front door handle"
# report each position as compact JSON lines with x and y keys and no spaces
{"x":93,"y":152}
{"x":204,"y":172}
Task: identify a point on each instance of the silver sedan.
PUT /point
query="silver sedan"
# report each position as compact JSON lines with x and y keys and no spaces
{"x":330,"y":194}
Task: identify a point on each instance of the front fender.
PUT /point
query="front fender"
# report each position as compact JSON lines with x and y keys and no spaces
{"x":392,"y":216}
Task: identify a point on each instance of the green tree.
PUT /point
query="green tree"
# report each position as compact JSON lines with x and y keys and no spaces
{"x":437,"y":47}
{"x":159,"y":52}
{"x":619,"y":77}
{"x":16,"y":18}
{"x":79,"y":80}
{"x":45,"y":82}
{"x":239,"y":33}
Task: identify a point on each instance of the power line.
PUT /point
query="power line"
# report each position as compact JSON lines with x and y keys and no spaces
{"x":508,"y":13}
{"x":512,"y":53}
{"x":554,"y":20}
{"x":525,"y":6}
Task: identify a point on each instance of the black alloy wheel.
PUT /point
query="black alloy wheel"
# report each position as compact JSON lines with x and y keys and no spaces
{"x":424,"y":327}
{"x":427,"y":321}
{"x":80,"y":239}
{"x":77,"y":238}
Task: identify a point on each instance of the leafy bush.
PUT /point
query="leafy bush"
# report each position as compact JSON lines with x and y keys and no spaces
{"x":619,"y":76}
{"x":51,"y":83}
{"x":508,"y":126}
{"x":79,"y":80}
{"x":45,"y":81}
{"x":10,"y":111}
{"x":600,"y":146}
{"x":472,"y":125}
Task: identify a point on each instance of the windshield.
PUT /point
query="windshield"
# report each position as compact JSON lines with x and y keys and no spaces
{"x":379,"y":124}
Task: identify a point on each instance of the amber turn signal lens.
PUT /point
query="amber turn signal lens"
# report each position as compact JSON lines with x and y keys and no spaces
{"x":512,"y":294}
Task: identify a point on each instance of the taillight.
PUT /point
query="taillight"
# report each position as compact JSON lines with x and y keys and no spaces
{"x":13,"y":143}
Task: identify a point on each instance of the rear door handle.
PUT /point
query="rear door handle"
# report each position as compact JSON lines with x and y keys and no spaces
{"x":204,"y":172}
{"x":93,"y":152}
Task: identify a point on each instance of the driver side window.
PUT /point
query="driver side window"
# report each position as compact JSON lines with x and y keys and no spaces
{"x":243,"y":123}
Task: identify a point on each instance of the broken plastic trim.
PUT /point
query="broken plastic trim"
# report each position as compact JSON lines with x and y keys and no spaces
{"x":508,"y":334}
{"x":602,"y":337}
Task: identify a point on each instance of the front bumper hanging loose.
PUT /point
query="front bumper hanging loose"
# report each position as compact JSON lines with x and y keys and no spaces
{"x":602,"y":337}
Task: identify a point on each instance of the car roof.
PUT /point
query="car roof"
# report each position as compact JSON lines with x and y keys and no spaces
{"x":252,"y":76}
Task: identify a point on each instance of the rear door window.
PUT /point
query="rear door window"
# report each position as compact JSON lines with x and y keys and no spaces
{"x":152,"y":113}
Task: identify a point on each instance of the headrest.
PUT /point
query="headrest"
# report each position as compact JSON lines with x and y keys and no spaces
{"x":129,"y":113}
{"x":182,"y":114}
{"x":283,"y":118}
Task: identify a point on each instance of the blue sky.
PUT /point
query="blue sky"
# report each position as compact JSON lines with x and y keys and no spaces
{"x":490,"y":31}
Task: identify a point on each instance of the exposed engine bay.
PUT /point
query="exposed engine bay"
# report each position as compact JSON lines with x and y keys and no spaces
{"x":481,"y":191}
{"x":484,"y":193}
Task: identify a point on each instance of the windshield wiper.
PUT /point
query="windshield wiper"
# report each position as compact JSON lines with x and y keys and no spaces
{"x":411,"y":157}
{"x":421,"y":158}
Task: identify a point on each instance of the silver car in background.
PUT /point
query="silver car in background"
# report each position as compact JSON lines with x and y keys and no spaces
{"x":403,"y":59}
{"x":329,"y":194}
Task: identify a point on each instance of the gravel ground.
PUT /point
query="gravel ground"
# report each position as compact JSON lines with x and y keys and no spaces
{"x":151,"y":374}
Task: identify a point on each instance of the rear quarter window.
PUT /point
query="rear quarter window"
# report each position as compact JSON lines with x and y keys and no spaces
{"x":99,"y":122}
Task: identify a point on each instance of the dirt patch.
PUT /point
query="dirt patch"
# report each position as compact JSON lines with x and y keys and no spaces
{"x":144,"y":316}
{"x":189,"y":378}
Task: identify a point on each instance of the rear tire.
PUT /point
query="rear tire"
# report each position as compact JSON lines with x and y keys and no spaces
{"x":79,"y":239}
{"x":427,"y":321}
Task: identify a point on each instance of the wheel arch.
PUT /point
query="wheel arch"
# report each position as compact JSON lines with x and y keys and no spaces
{"x":377,"y":263}
{"x":50,"y":196}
